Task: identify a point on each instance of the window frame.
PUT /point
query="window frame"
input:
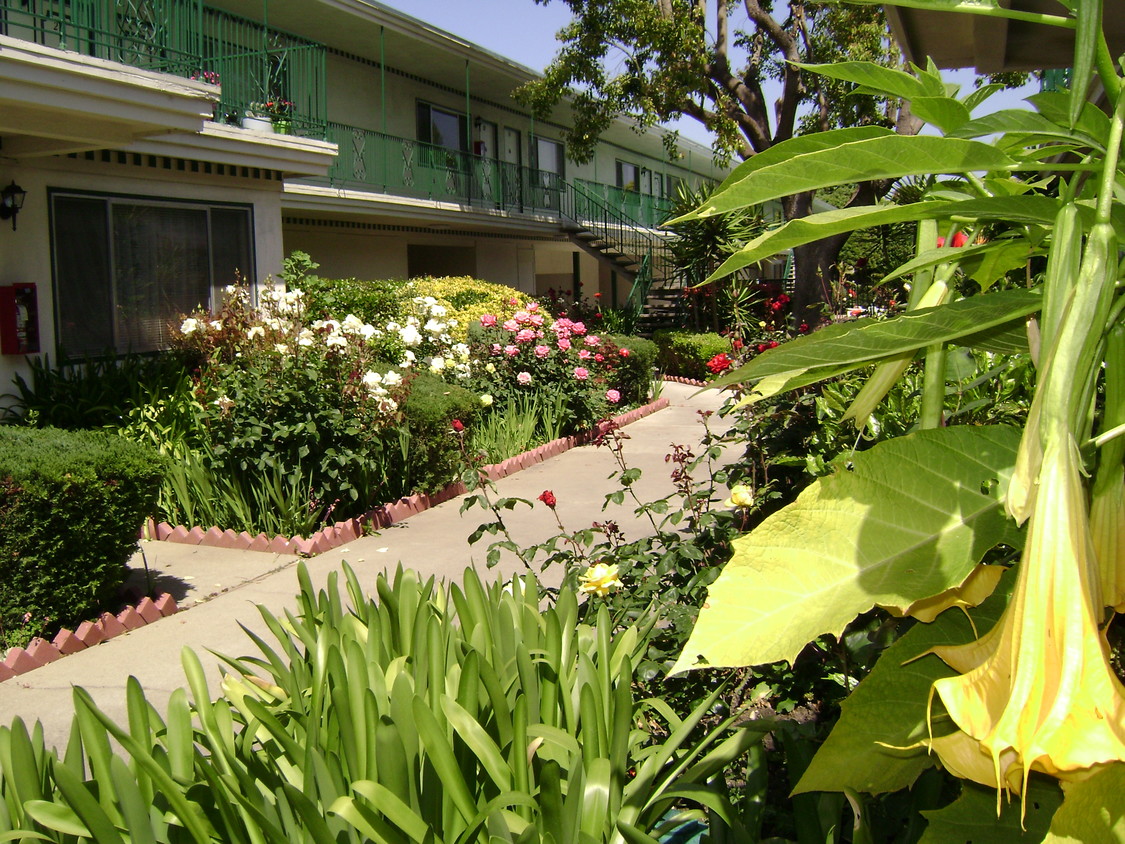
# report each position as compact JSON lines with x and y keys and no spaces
{"x":109,"y":198}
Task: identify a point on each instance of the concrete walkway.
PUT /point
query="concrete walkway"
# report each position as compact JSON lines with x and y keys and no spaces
{"x":220,"y":588}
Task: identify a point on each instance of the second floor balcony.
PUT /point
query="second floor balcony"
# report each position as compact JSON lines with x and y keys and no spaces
{"x":253,"y":64}
{"x":375,"y":161}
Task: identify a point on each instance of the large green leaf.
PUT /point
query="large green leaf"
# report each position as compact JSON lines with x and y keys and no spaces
{"x":865,"y":341}
{"x":889,"y":708}
{"x":945,"y":113}
{"x":1093,"y":810}
{"x":983,"y":262}
{"x":908,"y":521}
{"x":800,"y":145}
{"x":882,"y":157}
{"x":816,"y":226}
{"x":878,"y":79}
{"x":973,"y":816}
{"x":1022,"y":121}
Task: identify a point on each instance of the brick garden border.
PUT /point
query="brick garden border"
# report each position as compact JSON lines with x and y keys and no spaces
{"x":40,"y":652}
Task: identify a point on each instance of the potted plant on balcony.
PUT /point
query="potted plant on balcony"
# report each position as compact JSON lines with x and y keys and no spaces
{"x":278,"y":113}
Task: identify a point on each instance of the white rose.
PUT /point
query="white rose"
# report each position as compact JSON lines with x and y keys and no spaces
{"x":189,"y":326}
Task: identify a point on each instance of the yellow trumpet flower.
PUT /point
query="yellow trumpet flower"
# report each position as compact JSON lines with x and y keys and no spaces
{"x":1037,"y":692}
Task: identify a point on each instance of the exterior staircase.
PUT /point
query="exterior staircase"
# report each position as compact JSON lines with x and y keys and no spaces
{"x":633,"y":250}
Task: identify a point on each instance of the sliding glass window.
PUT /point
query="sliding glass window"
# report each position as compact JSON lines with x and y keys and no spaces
{"x":126,"y":269}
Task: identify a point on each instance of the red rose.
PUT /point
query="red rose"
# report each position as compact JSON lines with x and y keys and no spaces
{"x":548,"y":498}
{"x":458,"y":426}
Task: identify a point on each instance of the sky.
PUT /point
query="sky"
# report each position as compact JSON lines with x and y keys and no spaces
{"x":524,"y":31}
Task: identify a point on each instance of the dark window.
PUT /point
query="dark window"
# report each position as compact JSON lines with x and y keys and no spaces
{"x":628,"y":176}
{"x":442,"y":128}
{"x":126,"y":270}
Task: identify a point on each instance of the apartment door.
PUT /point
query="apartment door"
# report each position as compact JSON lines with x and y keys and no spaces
{"x":511,"y":166}
{"x":486,"y":170}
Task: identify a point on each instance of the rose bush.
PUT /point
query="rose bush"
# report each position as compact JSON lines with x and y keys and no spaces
{"x":530,"y":353}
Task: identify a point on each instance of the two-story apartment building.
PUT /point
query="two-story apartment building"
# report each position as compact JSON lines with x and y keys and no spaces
{"x":150,"y":150}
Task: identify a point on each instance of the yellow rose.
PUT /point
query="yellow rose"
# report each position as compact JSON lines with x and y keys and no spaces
{"x":740,"y":496}
{"x":600,"y":579}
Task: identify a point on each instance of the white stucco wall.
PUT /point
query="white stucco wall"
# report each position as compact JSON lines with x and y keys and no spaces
{"x":25,"y":255}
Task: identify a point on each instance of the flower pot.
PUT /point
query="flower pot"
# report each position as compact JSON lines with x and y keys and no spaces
{"x":257,"y":124}
{"x":282,"y":127}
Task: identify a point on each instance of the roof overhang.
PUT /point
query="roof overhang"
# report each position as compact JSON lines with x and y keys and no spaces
{"x":290,"y":155}
{"x":55,"y":102}
{"x":993,"y":45}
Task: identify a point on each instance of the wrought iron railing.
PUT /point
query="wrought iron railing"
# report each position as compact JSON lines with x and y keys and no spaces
{"x":405,"y":167}
{"x":257,"y":65}
{"x":251,"y":62}
{"x":1056,"y":79}
{"x":161,"y":35}
{"x":648,"y":209}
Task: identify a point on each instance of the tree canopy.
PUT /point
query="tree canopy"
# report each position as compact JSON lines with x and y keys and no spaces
{"x":713,"y":60}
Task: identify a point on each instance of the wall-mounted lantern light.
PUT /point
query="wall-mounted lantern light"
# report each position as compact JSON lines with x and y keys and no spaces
{"x":11,"y":201}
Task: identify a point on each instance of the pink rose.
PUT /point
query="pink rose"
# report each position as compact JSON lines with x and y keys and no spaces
{"x":488,"y":320}
{"x":495,"y":348}
{"x":525,"y":335}
{"x":578,"y":327}
{"x":511,"y":325}
{"x":524,"y":378}
{"x":623,"y":352}
{"x":592,"y":340}
{"x":521,"y":317}
{"x":581,"y":373}
{"x":542,"y":351}
{"x":563,"y":343}
{"x":599,"y":357}
{"x":612,"y":396}
{"x":532,"y":307}
{"x":537,"y":319}
{"x":584,"y":354}
{"x":511,"y":351}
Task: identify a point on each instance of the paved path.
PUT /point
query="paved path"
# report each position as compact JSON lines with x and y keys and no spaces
{"x":221,"y":587}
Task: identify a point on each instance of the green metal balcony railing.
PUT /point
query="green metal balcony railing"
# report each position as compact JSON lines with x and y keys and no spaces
{"x":161,"y":36}
{"x":253,"y":63}
{"x":1056,"y":79}
{"x":644,"y":208}
{"x":405,"y":167}
{"x":256,"y":64}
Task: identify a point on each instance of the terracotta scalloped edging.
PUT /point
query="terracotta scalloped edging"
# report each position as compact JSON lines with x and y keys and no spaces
{"x":385,"y":515}
{"x":39,"y":651}
{"x":691,"y":382}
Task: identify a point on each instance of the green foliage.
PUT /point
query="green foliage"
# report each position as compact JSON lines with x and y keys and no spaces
{"x":430,"y":458}
{"x":807,"y":585}
{"x":377,"y":302}
{"x":686,"y":354}
{"x":999,"y":710}
{"x":462,"y":715}
{"x":633,"y":377}
{"x":93,"y":393}
{"x":681,"y":63}
{"x":71,"y":504}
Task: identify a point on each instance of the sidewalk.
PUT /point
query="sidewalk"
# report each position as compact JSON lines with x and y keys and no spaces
{"x":219,"y":588}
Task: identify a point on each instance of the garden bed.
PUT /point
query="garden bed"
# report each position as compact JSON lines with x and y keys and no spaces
{"x":349,"y":530}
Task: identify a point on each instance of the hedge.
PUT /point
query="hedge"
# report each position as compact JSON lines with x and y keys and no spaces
{"x":686,"y":354}
{"x":71,"y":505}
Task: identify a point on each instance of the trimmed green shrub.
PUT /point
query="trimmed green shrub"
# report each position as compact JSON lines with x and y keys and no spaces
{"x":634,"y":371}
{"x":433,"y":453}
{"x":686,"y":354}
{"x":71,"y":504}
{"x":377,"y":302}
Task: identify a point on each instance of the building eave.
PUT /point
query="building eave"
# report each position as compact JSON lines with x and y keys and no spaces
{"x":56,"y":101}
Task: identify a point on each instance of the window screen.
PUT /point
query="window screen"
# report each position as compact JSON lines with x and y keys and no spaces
{"x":126,"y":270}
